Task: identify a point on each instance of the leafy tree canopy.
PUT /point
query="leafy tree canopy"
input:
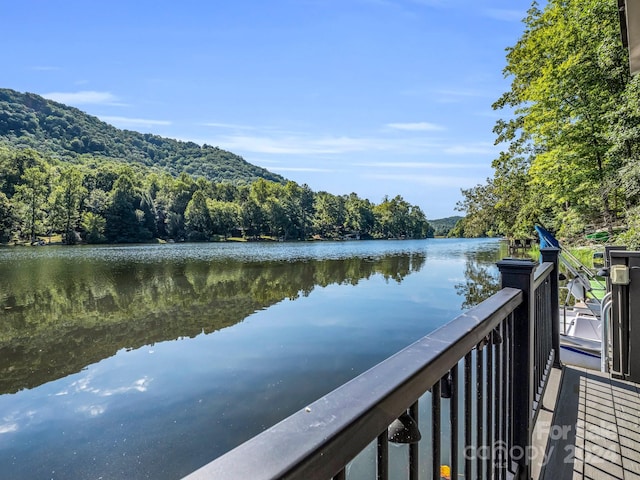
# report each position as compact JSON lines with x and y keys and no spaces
{"x":571,"y":137}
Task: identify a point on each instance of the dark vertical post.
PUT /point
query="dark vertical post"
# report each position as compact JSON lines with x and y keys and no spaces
{"x":500,"y":401}
{"x":468,"y":415}
{"x":625,"y":315}
{"x":435,"y":431}
{"x":610,"y":345}
{"x":383,"y":456}
{"x":453,"y":418}
{"x":634,"y":317}
{"x":342,"y":475}
{"x":619,"y":320}
{"x":509,"y":388}
{"x":490,"y":394}
{"x":519,"y":274}
{"x":552,"y":255}
{"x":414,"y":448}
{"x":480,"y":418}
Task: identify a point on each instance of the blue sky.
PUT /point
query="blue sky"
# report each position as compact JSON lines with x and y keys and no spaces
{"x":377,"y":97}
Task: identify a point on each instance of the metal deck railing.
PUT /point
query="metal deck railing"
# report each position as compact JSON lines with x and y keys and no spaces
{"x":489,"y":364}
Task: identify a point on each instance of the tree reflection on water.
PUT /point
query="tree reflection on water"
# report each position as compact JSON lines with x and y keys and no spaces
{"x":59,"y":316}
{"x":482,"y":278}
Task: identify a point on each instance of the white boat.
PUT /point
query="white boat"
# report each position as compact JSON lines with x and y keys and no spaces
{"x":580,"y":338}
{"x":581,"y":325}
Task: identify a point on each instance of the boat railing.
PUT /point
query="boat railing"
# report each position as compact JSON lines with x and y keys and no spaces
{"x":463,"y":399}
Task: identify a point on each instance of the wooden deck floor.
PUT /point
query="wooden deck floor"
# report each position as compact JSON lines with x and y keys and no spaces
{"x":592,"y":430}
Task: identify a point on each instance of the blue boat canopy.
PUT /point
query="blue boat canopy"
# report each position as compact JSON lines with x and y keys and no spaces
{"x":546,"y":238}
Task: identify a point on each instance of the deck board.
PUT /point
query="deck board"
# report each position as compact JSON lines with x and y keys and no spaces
{"x":595,"y":429}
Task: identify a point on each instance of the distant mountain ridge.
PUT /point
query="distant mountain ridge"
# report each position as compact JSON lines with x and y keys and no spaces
{"x":443,"y":226}
{"x":66,"y":133}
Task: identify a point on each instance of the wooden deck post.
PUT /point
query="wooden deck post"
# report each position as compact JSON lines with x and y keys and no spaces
{"x":552,"y":255}
{"x":519,"y":274}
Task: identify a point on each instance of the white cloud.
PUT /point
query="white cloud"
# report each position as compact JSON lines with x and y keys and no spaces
{"x":231,"y":126}
{"x":8,"y":428}
{"x":301,"y":169}
{"x":472,"y":149}
{"x":92,"y":410}
{"x":84,"y":97}
{"x":427,"y":165}
{"x":268,"y":141}
{"x":416,"y":127}
{"x":301,"y":144}
{"x":140,"y":385}
{"x":134,"y":122}
{"x":84,"y":385}
{"x":430,"y":180}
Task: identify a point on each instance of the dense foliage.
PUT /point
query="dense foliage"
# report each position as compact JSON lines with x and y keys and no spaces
{"x":63,"y":171}
{"x":59,"y":131}
{"x":442,"y":227}
{"x":99,"y":200}
{"x":572,"y":137}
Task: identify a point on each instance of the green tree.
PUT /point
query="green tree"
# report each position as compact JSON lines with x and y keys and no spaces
{"x":66,"y":199}
{"x":277,"y":218}
{"x":393,"y":218}
{"x":329,"y":214}
{"x":31,"y":196}
{"x":417,"y":224}
{"x":96,"y":201}
{"x":181,"y":191}
{"x":226,"y":192}
{"x":94,"y":226}
{"x":571,"y":131}
{"x":224,"y":216}
{"x":252,"y":217}
{"x":124,"y":219}
{"x":148,"y":208}
{"x":479,"y":204}
{"x":197,"y":219}
{"x":8,"y":219}
{"x":162,"y":190}
{"x":566,"y":82}
{"x":13,"y":164}
{"x":359,"y":216}
{"x":307,"y":211}
{"x":294,"y":214}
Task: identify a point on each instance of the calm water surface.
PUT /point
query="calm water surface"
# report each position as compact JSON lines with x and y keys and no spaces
{"x":150,"y":361}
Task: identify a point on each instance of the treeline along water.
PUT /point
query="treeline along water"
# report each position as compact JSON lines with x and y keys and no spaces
{"x":149,"y":361}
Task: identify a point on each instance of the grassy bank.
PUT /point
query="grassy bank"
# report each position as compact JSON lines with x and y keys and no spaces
{"x":583,"y":254}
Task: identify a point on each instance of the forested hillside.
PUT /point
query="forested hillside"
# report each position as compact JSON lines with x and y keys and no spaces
{"x":442,"y":226}
{"x":65,"y":172}
{"x":107,"y":201}
{"x":60,"y":131}
{"x":570,"y":136}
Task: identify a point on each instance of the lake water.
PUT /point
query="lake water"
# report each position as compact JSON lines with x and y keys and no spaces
{"x":150,"y":361}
